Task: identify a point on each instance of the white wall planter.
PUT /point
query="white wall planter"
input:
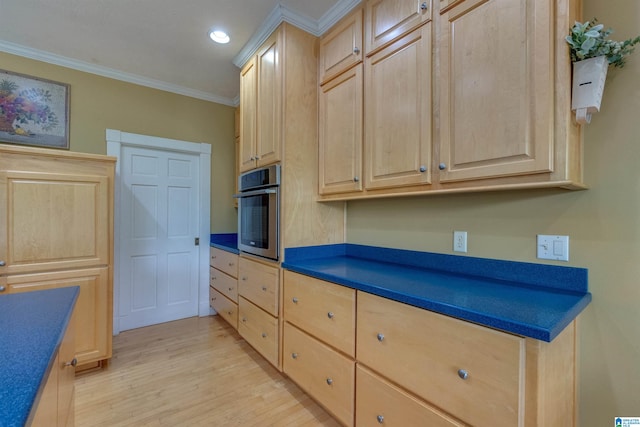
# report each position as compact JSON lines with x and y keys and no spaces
{"x":589,"y":76}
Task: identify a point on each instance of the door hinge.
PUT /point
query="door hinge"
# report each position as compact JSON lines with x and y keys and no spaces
{"x":197,"y":241}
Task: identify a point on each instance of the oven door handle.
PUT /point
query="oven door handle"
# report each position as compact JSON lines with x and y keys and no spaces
{"x":255,"y":193}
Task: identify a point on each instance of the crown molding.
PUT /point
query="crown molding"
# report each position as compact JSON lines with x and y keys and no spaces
{"x":281,"y":14}
{"x":111,"y":73}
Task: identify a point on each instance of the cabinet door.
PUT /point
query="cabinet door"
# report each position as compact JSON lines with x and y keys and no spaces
{"x":340,"y":132}
{"x":93,"y":321}
{"x":248,"y":96}
{"x":386,"y":20}
{"x":269,"y":101}
{"x":398,"y":112}
{"x":341,"y":48}
{"x":496,"y":89}
{"x":53,"y":221}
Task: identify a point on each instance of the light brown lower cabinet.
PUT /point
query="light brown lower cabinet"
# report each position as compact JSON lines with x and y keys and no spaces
{"x":416,"y":367}
{"x":57,"y":402}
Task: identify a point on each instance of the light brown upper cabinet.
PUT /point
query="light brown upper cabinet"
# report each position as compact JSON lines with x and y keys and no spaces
{"x":398,"y":112}
{"x":386,"y":20}
{"x":496,"y":89}
{"x":341,"y":48}
{"x":261,"y":106}
{"x":500,"y":113}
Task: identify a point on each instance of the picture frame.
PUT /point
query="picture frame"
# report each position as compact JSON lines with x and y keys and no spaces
{"x":33,"y":111}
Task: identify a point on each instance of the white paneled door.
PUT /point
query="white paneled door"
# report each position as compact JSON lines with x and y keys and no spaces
{"x":158,"y":256}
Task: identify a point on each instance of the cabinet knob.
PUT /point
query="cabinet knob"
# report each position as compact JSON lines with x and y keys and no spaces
{"x":213,"y":277}
{"x":330,"y":315}
{"x":230,"y":264}
{"x":380,"y":337}
{"x":423,"y":168}
{"x":442,"y":166}
{"x":2,"y":288}
{"x":356,"y":50}
{"x":264,"y":288}
{"x":244,"y":278}
{"x":264,"y":335}
{"x":424,"y":5}
{"x":329,"y":381}
{"x":73,"y":363}
{"x":380,"y":419}
{"x":257,"y":158}
{"x":356,"y":179}
{"x":294,"y":355}
{"x":230,"y":289}
{"x":2,"y":263}
{"x":230,"y":313}
{"x":295,"y":300}
{"x":462,"y":373}
{"x":244,"y":320}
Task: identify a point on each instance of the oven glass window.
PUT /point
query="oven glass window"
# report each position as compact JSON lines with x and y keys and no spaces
{"x":255,"y":221}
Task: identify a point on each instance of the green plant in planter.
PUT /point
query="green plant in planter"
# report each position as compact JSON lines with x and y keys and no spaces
{"x":590,"y":39}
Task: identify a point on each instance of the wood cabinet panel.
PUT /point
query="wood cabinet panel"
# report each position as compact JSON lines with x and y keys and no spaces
{"x":386,"y":20}
{"x":224,"y":284}
{"x":248,"y":115}
{"x":340,"y":133}
{"x":93,"y":311}
{"x":380,"y":402}
{"x":341,"y":47}
{"x":325,"y":374}
{"x":442,"y":349}
{"x":224,"y":261}
{"x":260,"y":329}
{"x":260,"y":283}
{"x":496,"y":89}
{"x":324,"y":310}
{"x":269,"y":101}
{"x":398,"y":112}
{"x":225,"y":307}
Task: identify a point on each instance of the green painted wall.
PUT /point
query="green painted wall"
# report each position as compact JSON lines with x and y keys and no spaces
{"x":603,"y":224}
{"x":98,"y":103}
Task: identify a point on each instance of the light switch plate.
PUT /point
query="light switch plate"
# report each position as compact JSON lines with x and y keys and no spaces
{"x":553,"y":247}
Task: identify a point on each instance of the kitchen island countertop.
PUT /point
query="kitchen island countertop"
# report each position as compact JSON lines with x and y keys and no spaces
{"x":32,"y":326}
{"x":528,"y":299}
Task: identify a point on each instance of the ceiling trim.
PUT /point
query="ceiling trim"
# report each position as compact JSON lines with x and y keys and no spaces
{"x":39,"y":55}
{"x":281,"y":14}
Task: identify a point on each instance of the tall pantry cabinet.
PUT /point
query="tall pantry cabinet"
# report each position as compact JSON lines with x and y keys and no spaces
{"x":56,"y":230}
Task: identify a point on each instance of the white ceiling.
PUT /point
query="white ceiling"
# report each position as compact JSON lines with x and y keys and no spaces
{"x":158,"y":43}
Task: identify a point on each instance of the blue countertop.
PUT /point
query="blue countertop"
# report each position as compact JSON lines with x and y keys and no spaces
{"x":533,"y":300}
{"x":225,"y":241}
{"x":32,"y":326}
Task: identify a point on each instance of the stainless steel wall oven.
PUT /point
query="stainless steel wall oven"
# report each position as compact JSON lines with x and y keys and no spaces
{"x":259,"y":212}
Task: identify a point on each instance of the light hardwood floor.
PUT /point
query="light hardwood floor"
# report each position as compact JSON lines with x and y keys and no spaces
{"x":192,"y":372}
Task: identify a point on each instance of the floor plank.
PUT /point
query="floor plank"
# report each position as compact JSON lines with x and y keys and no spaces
{"x":191,"y":372}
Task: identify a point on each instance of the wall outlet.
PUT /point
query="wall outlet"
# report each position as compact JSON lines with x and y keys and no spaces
{"x":553,"y":247}
{"x":460,"y":241}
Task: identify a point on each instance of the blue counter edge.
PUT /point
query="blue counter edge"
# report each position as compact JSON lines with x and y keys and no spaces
{"x":23,"y":411}
{"x":551,"y":278}
{"x":225,"y":241}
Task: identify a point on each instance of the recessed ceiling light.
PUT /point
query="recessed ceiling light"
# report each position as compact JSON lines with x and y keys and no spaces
{"x":219,"y":36}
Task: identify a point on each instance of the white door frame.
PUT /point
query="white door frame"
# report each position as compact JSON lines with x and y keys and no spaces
{"x":116,"y":140}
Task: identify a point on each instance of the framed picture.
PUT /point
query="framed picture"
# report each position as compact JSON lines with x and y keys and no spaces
{"x":33,"y":111}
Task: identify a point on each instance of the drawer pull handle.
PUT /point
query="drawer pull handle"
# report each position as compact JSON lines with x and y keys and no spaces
{"x":295,"y":300}
{"x":330,"y":315}
{"x":264,"y":335}
{"x":73,"y":362}
{"x":244,"y":320}
{"x":264,"y":288}
{"x":294,"y":355}
{"x":462,"y":373}
{"x":380,"y":419}
{"x":380,"y":337}
{"x":329,"y":381}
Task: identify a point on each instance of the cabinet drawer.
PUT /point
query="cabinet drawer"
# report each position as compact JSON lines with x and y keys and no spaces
{"x":224,"y":261}
{"x":322,"y":372}
{"x":325,"y":310}
{"x":224,"y":307}
{"x":223,"y":283}
{"x":259,"y":283}
{"x":379,"y":402}
{"x":260,"y":329}
{"x":429,"y":353}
